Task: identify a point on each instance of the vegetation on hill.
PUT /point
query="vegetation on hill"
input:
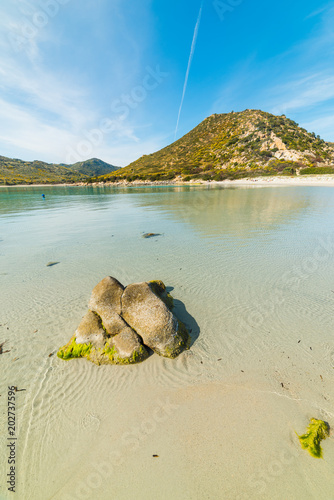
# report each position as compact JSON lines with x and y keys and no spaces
{"x":14,"y":171}
{"x":233,"y":145}
{"x":93,"y":167}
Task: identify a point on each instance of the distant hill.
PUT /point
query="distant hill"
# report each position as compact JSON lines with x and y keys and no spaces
{"x":14,"y":171}
{"x":233,"y":145}
{"x":93,"y":167}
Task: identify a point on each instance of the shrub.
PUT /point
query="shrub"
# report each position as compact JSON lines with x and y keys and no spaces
{"x":317,"y":171}
{"x":207,"y":176}
{"x":289,"y":171}
{"x":265,"y":154}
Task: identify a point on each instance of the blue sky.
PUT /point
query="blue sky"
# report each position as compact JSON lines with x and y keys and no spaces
{"x":105,"y":78}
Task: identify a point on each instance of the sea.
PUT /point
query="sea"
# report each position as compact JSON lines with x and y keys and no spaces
{"x":251,"y":270}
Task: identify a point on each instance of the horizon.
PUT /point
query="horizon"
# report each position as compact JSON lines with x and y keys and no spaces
{"x":112,"y":82}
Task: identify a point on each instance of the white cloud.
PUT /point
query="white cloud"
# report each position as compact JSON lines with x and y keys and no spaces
{"x":43,"y":93}
{"x":324,"y":126}
{"x":122,"y":155}
{"x":304,"y":92}
{"x":43,"y":112}
{"x":319,"y":11}
{"x":32,"y":139}
{"x":20,"y":130}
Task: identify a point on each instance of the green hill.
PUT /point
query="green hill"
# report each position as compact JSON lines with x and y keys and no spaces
{"x":232,"y":145}
{"x":93,"y":167}
{"x":14,"y":171}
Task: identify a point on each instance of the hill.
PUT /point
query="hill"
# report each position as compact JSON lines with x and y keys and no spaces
{"x":93,"y":167}
{"x":233,"y":145}
{"x":14,"y":171}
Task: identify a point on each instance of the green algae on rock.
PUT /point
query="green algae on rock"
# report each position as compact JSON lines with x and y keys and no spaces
{"x":73,"y":350}
{"x":122,"y":322}
{"x":316,"y":432}
{"x":158,"y":287}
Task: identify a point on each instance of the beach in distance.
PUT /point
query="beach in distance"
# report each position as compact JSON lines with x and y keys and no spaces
{"x":305,"y":180}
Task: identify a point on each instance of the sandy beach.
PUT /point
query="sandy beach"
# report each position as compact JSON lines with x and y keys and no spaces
{"x":305,"y":180}
{"x":301,"y":180}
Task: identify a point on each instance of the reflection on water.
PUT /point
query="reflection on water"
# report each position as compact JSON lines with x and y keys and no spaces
{"x":211,"y":210}
{"x":226,"y":210}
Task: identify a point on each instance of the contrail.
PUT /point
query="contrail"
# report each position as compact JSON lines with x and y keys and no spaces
{"x":192,"y":50}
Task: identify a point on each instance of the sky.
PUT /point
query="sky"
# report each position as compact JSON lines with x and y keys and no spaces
{"x":116,"y":79}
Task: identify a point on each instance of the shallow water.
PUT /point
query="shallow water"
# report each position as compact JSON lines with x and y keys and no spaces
{"x":252,"y":272}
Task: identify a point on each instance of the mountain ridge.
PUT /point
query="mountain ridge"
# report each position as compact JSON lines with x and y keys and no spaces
{"x":15,"y":171}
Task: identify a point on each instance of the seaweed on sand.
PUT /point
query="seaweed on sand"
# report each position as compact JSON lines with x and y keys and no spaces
{"x":316,"y":432}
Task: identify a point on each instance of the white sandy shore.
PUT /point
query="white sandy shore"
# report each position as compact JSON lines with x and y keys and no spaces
{"x":305,"y":180}
{"x":302,"y":180}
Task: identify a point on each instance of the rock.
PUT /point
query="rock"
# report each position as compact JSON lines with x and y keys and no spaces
{"x":90,"y":331}
{"x":122,"y":349}
{"x":106,"y":296}
{"x":121,"y":322}
{"x":149,"y":316}
{"x":151,"y":235}
{"x":127,"y":343}
{"x":106,"y":302}
{"x":158,"y":287}
{"x":128,"y":346}
{"x":91,"y":341}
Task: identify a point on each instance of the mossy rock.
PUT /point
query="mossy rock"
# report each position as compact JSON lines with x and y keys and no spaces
{"x":123,"y":322}
{"x":114,"y":357}
{"x":158,"y":287}
{"x":73,"y":350}
{"x":109,"y":354}
{"x":183,"y":341}
{"x":316,"y":432}
{"x":148,"y":315}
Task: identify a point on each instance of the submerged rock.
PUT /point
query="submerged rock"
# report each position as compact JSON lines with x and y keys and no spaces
{"x":122,"y":322}
{"x":151,"y":235}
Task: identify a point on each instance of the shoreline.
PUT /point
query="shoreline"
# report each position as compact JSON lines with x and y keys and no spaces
{"x":302,"y":180}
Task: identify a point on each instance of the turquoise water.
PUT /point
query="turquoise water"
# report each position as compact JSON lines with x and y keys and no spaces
{"x":252,"y":272}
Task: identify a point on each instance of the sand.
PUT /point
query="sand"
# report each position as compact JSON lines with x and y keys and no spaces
{"x":301,"y":180}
